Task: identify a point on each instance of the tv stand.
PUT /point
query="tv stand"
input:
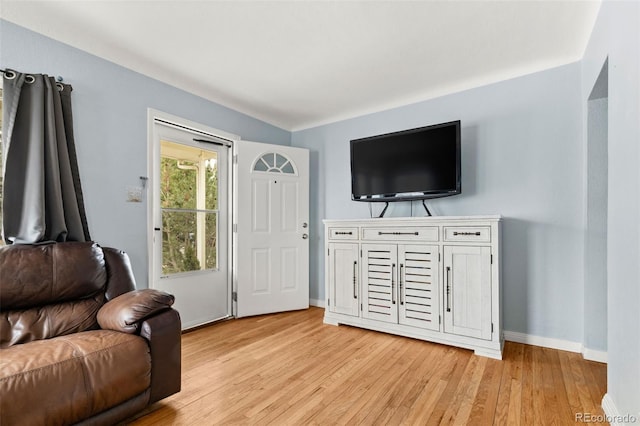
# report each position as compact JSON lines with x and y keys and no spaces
{"x":433,"y":278}
{"x":426,"y":208}
{"x":386,"y":206}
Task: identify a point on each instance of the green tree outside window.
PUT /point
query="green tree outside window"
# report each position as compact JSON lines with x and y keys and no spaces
{"x":189,"y":203}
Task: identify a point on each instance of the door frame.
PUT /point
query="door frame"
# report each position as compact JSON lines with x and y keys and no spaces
{"x":153,"y":152}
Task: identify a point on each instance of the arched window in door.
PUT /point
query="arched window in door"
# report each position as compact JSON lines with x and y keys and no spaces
{"x":272,"y":162}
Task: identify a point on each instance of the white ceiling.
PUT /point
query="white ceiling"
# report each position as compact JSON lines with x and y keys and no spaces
{"x":297,"y":64}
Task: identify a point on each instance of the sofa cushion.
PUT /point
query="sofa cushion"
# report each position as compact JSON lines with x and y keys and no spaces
{"x":36,"y":275}
{"x":71,"y":377}
{"x":22,"y":326}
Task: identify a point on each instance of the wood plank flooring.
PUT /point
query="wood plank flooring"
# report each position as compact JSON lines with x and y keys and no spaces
{"x":290,"y":368}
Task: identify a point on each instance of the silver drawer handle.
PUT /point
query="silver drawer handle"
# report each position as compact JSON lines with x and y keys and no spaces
{"x":344,"y":233}
{"x":477,"y":233}
{"x":393,"y":284}
{"x":448,"y":289}
{"x":398,"y":233}
{"x":355,"y":280}
{"x":401,"y":296}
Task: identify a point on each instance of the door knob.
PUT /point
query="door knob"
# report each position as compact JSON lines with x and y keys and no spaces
{"x":305,"y":224}
{"x":305,"y":236}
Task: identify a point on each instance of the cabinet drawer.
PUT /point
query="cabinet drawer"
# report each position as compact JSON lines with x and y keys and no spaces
{"x":343,"y":233}
{"x":421,"y":233}
{"x":467,"y":233}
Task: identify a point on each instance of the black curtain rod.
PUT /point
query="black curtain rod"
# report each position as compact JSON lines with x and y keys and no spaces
{"x":59,"y":79}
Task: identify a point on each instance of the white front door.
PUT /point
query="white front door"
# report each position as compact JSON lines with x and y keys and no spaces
{"x":272,"y":223}
{"x":190,"y":198}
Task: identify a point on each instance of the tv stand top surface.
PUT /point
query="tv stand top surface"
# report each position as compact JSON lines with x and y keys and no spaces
{"x":392,"y":220}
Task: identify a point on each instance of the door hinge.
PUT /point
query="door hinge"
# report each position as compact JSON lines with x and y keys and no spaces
{"x":235,"y":227}
{"x":235,"y":158}
{"x":328,"y":252}
{"x":439,"y":257}
{"x":328,"y":302}
{"x":361,"y":306}
{"x":492,"y":259}
{"x":360,"y":252}
{"x":439,"y":319}
{"x":491,"y":328}
{"x":234,"y":296}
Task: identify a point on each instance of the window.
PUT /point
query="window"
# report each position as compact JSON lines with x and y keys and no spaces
{"x":274,"y":163}
{"x":189,"y":203}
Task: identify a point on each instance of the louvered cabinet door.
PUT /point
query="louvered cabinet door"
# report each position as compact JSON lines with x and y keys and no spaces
{"x":379,"y":282}
{"x":419,"y":299}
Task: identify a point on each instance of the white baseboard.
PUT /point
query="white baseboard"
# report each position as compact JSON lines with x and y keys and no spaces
{"x":611,"y":411}
{"x":594,"y":355}
{"x":316,"y":302}
{"x":562,"y":345}
{"x":545,"y":342}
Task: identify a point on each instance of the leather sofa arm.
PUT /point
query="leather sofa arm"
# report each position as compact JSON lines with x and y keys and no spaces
{"x":125,"y":312}
{"x":163,"y":332}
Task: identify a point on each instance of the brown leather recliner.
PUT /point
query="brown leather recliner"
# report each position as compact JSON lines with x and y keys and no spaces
{"x":78,"y":343}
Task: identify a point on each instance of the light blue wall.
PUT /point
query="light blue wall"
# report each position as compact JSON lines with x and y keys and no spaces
{"x":522,"y":157}
{"x":110,"y":121}
{"x":616,"y":36}
{"x":595,"y":260}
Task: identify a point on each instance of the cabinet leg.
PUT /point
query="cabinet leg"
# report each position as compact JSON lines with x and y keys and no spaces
{"x":489,"y":353}
{"x":330,"y":321}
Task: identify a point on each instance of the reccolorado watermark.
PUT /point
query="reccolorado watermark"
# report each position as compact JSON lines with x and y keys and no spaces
{"x":601,"y":418}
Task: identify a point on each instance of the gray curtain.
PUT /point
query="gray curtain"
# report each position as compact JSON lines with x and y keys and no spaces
{"x":42,"y":197}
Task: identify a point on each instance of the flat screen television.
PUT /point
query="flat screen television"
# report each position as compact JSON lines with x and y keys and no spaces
{"x":415,"y":164}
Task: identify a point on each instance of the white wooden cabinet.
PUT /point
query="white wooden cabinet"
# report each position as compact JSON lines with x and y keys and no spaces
{"x":379,"y":281}
{"x":343,"y":280}
{"x":467,"y":284}
{"x":419,"y":287}
{"x":400,"y":284}
{"x":435,"y":278}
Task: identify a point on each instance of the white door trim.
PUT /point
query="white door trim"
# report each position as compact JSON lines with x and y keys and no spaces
{"x":153,"y":151}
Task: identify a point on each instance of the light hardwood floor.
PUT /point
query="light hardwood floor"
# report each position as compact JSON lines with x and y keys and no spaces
{"x":290,"y":368}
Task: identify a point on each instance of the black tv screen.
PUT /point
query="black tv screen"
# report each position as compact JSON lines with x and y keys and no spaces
{"x":414,"y":164}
